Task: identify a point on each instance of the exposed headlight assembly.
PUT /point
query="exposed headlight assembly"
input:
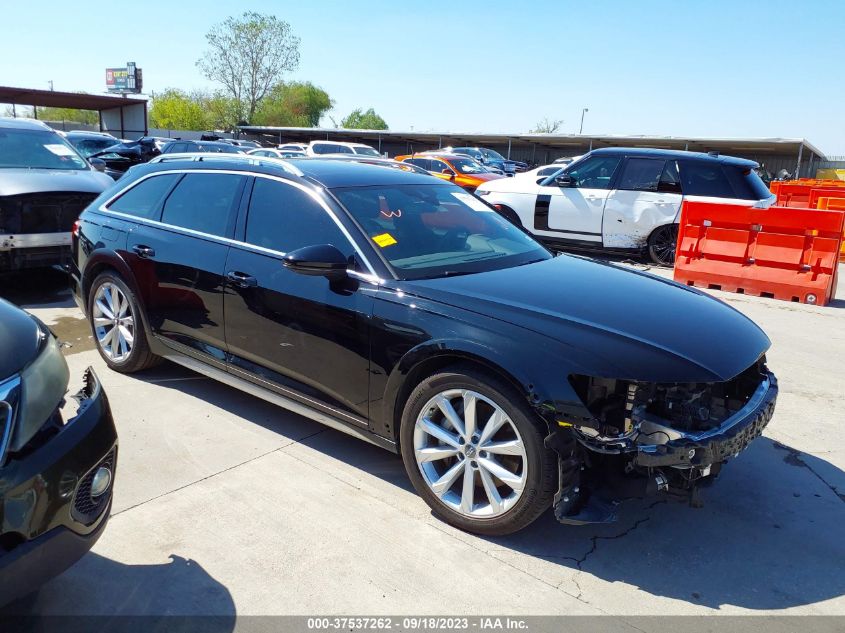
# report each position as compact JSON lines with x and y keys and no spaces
{"x":42,"y":386}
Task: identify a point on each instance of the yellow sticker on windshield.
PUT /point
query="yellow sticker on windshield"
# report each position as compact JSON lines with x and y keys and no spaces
{"x":385,"y":239}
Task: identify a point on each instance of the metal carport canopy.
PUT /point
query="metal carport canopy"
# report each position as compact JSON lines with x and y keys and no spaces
{"x":117,"y":114}
{"x":788,"y":146}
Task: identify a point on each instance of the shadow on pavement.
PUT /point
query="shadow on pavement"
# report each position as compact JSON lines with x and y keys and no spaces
{"x":37,"y":288}
{"x":98,"y":585}
{"x":768,"y":536}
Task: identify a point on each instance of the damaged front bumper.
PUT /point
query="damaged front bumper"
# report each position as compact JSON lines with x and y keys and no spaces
{"x":699,"y":450}
{"x":596,"y":474}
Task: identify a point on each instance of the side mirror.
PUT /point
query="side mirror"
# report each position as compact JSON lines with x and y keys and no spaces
{"x":98,"y":163}
{"x":564,"y":180}
{"x":323,"y":260}
{"x":449,"y":173}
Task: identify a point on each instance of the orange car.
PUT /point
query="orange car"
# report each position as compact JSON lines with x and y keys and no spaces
{"x":461,"y":170}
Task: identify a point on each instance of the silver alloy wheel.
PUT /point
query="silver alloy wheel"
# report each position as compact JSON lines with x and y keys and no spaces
{"x":114,"y":323}
{"x":470,"y":453}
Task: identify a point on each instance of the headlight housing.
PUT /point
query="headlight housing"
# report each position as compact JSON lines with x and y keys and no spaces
{"x":43,"y":384}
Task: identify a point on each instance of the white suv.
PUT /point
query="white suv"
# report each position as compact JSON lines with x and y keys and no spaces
{"x":321,"y":148}
{"x":622,"y":199}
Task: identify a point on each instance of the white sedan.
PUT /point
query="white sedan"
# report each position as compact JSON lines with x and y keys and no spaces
{"x":623,"y":200}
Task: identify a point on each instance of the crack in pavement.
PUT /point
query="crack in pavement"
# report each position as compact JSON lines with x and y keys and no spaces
{"x":793,"y":458}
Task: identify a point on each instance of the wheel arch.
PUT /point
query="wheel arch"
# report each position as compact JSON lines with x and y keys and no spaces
{"x":427,"y":359}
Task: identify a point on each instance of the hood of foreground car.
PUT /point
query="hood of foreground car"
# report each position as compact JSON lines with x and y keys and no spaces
{"x":636,"y":326}
{"x":17,"y":181}
{"x":20,"y":339}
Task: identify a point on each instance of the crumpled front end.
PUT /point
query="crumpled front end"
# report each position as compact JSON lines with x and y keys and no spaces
{"x":642,"y":439}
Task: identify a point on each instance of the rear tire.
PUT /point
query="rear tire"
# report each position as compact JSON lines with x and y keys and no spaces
{"x":662,"y":244}
{"x":489,"y":473}
{"x":118,"y":328}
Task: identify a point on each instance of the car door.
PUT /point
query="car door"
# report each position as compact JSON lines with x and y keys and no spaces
{"x":647,"y":195}
{"x":303,"y":336}
{"x":574,"y":213}
{"x":178,"y":260}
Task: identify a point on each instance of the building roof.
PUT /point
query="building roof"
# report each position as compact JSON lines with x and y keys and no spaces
{"x":552,"y":141}
{"x":55,"y":98}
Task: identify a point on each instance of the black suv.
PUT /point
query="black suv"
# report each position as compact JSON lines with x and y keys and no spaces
{"x":405,"y":311}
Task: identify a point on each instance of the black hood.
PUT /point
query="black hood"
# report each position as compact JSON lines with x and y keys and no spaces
{"x":19,"y":339}
{"x":636,"y":326}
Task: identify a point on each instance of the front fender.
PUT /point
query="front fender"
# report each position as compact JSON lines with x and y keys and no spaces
{"x":540,"y":378}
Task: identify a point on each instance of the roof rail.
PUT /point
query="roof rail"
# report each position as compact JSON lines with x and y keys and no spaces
{"x":223,"y":156}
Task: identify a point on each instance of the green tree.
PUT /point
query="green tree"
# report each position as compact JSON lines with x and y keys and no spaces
{"x":547,"y":126}
{"x":176,"y":109}
{"x":222,"y":112}
{"x":249,"y":55}
{"x":294,"y":104}
{"x":90,"y":117}
{"x":364,"y":120}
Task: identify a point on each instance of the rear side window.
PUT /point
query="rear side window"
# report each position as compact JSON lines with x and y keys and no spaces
{"x":641,"y":174}
{"x":705,"y":178}
{"x":670,"y":179}
{"x":283,"y":218}
{"x":143,"y":199}
{"x":203,"y":202}
{"x":425,"y":163}
{"x":747,"y":185}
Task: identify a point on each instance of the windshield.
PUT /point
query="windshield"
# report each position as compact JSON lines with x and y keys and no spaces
{"x":428,"y":231}
{"x":37,"y":149}
{"x":468,"y":166}
{"x":490,"y":154}
{"x":366,"y":151}
{"x":88,"y":146}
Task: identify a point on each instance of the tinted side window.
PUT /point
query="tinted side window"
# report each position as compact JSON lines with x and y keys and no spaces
{"x":670,"y":179}
{"x":425,"y":163}
{"x":144,"y":198}
{"x":641,"y":174}
{"x":203,"y":202}
{"x":437,"y":166}
{"x":705,"y":178}
{"x":595,"y":172}
{"x":283,"y":218}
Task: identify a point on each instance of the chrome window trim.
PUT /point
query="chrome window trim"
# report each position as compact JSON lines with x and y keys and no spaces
{"x":370,"y":277}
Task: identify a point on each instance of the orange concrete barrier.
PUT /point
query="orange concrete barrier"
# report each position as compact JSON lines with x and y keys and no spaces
{"x":827,"y":193}
{"x":779,"y":252}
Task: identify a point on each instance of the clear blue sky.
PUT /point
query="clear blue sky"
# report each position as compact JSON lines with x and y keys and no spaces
{"x":732,"y":68}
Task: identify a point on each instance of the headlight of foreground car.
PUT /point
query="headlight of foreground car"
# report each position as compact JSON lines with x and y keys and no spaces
{"x":43,"y":386}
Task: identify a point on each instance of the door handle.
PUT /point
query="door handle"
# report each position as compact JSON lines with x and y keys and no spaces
{"x":241,"y":280}
{"x":143,"y":251}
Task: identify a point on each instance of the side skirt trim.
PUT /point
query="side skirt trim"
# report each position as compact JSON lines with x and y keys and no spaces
{"x":281,"y":401}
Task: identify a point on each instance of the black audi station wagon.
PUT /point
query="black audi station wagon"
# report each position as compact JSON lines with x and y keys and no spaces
{"x":408,"y":313}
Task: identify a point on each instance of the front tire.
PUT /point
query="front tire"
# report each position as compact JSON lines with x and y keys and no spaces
{"x":662,"y":244}
{"x":474,"y":451}
{"x":116,"y":323}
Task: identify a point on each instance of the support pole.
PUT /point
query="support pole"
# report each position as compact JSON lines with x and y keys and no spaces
{"x":798,"y":166}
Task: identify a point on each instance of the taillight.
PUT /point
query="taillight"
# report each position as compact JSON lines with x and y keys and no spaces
{"x":75,"y":230}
